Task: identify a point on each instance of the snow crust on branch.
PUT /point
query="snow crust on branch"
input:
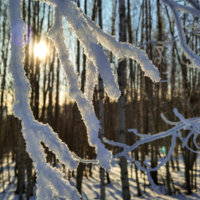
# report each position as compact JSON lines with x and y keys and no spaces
{"x":90,"y":36}
{"x":92,"y":124}
{"x":192,"y":124}
{"x":97,"y":62}
{"x":92,"y":49}
{"x":122,"y":50}
{"x":50,"y":181}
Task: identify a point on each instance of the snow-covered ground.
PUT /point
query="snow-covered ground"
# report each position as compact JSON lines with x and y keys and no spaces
{"x":91,"y":185}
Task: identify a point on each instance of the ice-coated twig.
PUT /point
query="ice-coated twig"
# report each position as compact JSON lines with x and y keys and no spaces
{"x":187,"y":122}
{"x":180,"y":116}
{"x":92,"y":123}
{"x":185,"y":142}
{"x":83,"y":160}
{"x":167,"y":121}
{"x":115,"y":143}
{"x":195,"y":59}
{"x":137,"y":163}
{"x":128,"y":158}
{"x":142,"y":136}
{"x":49,"y":180}
{"x":192,"y":124}
{"x":193,"y":3}
{"x":163,"y":161}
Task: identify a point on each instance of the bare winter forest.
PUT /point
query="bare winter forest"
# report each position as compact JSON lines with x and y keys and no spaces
{"x":147,"y":24}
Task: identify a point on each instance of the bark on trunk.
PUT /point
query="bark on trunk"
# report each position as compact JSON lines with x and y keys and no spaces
{"x":20,"y":163}
{"x":101,"y":134}
{"x":122,"y":104}
{"x":30,"y":183}
{"x":101,"y":113}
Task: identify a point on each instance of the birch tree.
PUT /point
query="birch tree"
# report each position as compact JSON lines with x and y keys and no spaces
{"x":122,"y":103}
{"x":101,"y":111}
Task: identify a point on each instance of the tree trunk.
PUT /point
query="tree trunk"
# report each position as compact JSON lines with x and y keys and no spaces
{"x":122,"y":104}
{"x":101,"y":113}
{"x":80,"y":145}
{"x":30,"y":183}
{"x":21,"y":163}
{"x":101,"y":134}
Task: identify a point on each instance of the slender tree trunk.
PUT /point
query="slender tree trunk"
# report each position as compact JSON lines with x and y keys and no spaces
{"x":29,"y":191}
{"x":122,"y":103}
{"x":142,"y":93}
{"x":57,"y":107}
{"x":80,"y":145}
{"x":101,"y":135}
{"x":21,"y":163}
{"x":132,"y":79}
{"x":101,"y":113}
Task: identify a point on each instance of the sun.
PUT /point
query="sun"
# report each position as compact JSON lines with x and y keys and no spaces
{"x":40,"y":50}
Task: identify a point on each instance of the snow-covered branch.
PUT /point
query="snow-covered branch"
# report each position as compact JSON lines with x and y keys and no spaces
{"x":174,"y":7}
{"x":122,"y":50}
{"x":192,"y":124}
{"x":193,"y":3}
{"x":56,"y":34}
{"x":90,"y":36}
{"x":33,"y":131}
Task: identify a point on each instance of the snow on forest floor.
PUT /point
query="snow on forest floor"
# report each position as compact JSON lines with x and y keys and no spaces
{"x":91,"y":185}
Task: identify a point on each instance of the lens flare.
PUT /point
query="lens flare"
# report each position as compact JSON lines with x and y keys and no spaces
{"x":40,"y":50}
